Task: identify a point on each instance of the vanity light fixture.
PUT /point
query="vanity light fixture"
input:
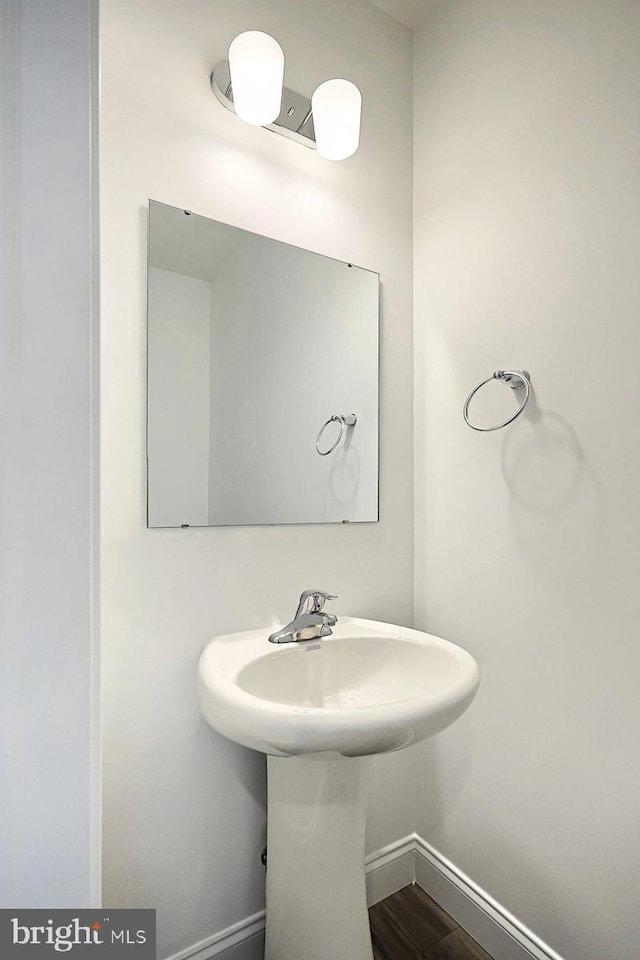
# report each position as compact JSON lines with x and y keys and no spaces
{"x":336,"y":107}
{"x":256,"y":65}
{"x":249,"y":84}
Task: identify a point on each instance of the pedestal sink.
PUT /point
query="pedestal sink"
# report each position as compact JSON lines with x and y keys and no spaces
{"x":315,"y":708}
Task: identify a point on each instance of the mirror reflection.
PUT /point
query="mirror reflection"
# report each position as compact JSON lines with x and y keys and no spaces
{"x":262,"y":379}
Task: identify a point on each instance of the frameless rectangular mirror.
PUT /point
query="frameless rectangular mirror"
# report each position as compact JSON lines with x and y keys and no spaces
{"x":262,"y":379}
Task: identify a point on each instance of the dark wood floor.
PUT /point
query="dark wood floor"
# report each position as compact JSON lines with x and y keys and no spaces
{"x":409,"y":925}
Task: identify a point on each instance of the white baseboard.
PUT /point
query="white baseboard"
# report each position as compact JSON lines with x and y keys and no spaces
{"x":241,"y":941}
{"x":390,"y":869}
{"x":498,"y":931}
{"x":408,"y":860}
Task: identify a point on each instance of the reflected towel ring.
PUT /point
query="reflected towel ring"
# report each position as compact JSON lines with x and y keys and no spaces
{"x":345,"y":420}
{"x":522,"y":382}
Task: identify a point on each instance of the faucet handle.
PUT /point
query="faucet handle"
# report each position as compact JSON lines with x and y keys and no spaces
{"x":317,"y":598}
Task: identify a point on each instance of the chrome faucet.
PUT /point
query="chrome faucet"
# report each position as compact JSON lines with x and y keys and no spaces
{"x":310,"y":620}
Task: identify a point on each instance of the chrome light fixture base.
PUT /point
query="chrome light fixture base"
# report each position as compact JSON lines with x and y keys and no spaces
{"x":295,"y":120}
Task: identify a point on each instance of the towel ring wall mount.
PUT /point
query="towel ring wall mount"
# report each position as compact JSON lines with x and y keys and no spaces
{"x":517,"y":380}
{"x":345,"y":420}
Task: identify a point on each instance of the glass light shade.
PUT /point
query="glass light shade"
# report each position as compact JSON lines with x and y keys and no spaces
{"x":336,"y":106}
{"x":256,"y":63}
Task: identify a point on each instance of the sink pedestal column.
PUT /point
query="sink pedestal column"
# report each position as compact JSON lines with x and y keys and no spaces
{"x":316,"y":896}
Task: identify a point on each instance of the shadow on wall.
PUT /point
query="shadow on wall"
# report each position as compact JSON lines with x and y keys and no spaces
{"x":458,"y":769}
{"x":556,"y":499}
{"x":344,"y":478}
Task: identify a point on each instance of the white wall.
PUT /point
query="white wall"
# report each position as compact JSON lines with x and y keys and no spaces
{"x":179,"y":398}
{"x":184,"y":808}
{"x":527,"y":227}
{"x":49,"y":749}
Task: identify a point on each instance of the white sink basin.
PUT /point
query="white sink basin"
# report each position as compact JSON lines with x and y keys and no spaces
{"x":316,"y":708}
{"x":369,"y":688}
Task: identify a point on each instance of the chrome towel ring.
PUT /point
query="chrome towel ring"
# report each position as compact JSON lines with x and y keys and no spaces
{"x":345,"y":420}
{"x":517,"y":380}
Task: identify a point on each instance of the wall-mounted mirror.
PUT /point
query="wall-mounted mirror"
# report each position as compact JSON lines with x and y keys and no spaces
{"x":253,"y":345}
